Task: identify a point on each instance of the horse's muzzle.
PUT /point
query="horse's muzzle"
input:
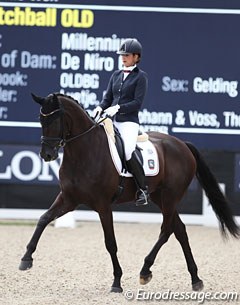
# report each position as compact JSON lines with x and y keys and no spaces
{"x":49,"y":154}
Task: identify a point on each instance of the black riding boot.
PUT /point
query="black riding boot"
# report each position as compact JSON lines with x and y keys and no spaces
{"x":134,"y":166}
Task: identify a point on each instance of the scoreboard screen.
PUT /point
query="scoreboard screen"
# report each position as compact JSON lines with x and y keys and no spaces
{"x":190,"y":53}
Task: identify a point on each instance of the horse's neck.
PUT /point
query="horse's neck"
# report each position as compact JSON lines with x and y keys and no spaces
{"x":82,"y":127}
{"x":80,"y":121}
{"x":85,"y":151}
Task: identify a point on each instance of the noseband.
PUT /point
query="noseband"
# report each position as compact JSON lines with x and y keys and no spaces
{"x":57,"y":142}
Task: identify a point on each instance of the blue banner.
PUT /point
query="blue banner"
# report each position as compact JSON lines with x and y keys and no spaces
{"x":23,"y":165}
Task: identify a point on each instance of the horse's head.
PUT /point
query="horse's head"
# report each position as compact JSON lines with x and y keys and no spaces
{"x":51,"y":119}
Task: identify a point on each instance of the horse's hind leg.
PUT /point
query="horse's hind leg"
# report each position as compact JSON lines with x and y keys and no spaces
{"x":56,"y":210}
{"x":181,"y":235}
{"x":111,"y":245}
{"x":166,"y":231}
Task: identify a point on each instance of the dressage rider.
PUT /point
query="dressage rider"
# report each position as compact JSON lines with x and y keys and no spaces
{"x":122,"y":101}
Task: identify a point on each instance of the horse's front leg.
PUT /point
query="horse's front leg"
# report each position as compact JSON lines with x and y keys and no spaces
{"x":111,"y":245}
{"x":56,"y":210}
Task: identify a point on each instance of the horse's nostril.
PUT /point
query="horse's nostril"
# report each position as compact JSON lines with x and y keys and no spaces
{"x":48,"y":157}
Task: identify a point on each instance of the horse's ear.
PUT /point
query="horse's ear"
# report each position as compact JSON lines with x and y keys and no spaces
{"x":55,"y":98}
{"x":37,"y":99}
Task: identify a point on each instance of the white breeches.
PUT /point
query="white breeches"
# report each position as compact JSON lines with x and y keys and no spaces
{"x":129,"y":133}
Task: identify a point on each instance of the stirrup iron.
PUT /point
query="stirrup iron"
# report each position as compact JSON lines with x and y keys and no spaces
{"x":142,"y":198}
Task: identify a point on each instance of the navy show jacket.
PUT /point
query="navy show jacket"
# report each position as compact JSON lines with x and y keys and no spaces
{"x":128,"y":94}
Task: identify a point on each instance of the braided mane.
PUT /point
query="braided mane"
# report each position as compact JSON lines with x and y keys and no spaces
{"x":74,"y":100}
{"x":71,"y":98}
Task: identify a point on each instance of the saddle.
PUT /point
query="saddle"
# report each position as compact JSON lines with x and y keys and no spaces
{"x":111,"y":129}
{"x":145,"y":151}
{"x":117,"y":139}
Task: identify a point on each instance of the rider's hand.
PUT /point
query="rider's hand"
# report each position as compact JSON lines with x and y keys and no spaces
{"x":97,"y":112}
{"x":111,"y":111}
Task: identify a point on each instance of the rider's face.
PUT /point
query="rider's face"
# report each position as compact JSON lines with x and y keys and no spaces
{"x":129,"y":60}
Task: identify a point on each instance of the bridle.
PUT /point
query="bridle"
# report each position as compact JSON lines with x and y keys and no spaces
{"x":57,"y":142}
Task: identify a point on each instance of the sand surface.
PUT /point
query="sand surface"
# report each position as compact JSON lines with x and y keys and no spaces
{"x":72,"y":266}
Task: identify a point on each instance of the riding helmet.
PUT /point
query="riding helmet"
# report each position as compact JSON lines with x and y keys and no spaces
{"x":130,"y":46}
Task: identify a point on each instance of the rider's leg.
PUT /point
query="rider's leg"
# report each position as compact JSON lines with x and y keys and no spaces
{"x":135,"y":167}
{"x":129,"y":134}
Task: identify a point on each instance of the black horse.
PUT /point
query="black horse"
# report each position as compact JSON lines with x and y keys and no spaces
{"x":88,"y":176}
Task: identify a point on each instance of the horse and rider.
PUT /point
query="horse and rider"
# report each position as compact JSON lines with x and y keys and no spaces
{"x":88,"y":176}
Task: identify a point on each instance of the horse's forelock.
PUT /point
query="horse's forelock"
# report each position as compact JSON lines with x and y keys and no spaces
{"x":50,"y":103}
{"x":48,"y":112}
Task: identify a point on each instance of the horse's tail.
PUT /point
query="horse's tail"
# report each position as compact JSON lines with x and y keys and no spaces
{"x":214,"y":194}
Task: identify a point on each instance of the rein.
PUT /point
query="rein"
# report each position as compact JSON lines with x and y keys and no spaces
{"x":87,"y":131}
{"x":81,"y":134}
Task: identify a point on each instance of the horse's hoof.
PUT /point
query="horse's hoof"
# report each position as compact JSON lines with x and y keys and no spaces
{"x":144,"y":279}
{"x":25,"y":265}
{"x":116,"y":289}
{"x":198,"y":286}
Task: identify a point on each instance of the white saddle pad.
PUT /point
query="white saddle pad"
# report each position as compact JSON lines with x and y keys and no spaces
{"x":149,"y":153}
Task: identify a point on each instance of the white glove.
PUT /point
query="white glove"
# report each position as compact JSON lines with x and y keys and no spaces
{"x":97,"y":112}
{"x":111,"y":111}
